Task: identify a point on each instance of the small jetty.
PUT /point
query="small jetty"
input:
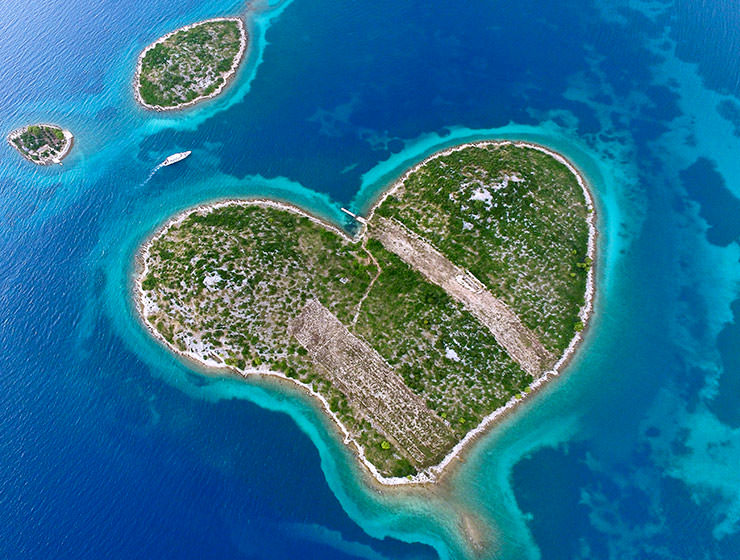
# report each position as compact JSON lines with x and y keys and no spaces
{"x":355,"y":216}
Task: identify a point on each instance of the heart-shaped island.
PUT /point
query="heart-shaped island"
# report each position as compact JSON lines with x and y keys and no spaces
{"x":469,"y":284}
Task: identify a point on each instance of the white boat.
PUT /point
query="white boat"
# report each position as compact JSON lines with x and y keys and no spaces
{"x":174,"y":158}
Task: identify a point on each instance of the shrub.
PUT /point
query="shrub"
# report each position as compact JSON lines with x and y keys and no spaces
{"x":150,"y":282}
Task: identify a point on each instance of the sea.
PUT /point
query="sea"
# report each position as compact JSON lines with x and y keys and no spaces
{"x":110,"y":447}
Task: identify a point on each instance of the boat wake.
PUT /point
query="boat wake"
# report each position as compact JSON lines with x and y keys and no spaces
{"x":152,"y":173}
{"x":174,"y":158}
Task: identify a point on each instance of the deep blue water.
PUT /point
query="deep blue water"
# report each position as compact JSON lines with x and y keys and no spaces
{"x":109,"y":447}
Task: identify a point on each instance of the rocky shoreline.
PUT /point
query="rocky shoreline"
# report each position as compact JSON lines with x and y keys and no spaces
{"x":435,"y":473}
{"x":227,"y":76}
{"x":57,"y":159}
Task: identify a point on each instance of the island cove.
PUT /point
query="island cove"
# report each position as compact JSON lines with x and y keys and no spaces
{"x":191,"y":64}
{"x":469,"y":285}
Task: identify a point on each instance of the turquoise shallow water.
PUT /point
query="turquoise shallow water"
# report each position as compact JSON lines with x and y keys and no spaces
{"x":110,"y":446}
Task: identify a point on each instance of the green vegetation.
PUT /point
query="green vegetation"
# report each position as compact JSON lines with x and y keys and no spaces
{"x":440,"y":350}
{"x":516,"y":218}
{"x":225,"y":284}
{"x":190,"y":64}
{"x":41,"y":143}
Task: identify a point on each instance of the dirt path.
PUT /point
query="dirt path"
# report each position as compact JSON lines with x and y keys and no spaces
{"x":369,"y":287}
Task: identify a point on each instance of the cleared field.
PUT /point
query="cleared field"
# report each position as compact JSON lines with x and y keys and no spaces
{"x":521,"y":344}
{"x":513,"y":216}
{"x":372,"y":387}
